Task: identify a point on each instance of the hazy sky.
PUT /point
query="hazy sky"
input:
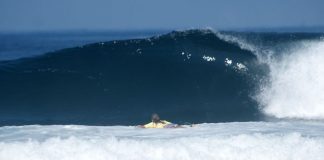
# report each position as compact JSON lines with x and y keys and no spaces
{"x":18,"y":15}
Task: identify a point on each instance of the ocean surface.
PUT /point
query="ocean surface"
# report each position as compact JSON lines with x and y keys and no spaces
{"x":16,"y":45}
{"x":251,"y":95}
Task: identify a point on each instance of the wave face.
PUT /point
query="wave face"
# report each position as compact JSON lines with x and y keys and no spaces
{"x":186,"y":76}
{"x":26,"y":44}
{"x":240,"y":141}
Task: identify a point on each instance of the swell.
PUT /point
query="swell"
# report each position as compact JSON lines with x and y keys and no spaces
{"x":185,"y":76}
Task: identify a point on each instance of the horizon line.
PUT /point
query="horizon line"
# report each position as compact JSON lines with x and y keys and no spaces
{"x":120,"y":30}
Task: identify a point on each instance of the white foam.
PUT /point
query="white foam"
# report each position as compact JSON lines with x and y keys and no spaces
{"x":296,"y":85}
{"x":228,"y":62}
{"x":209,"y":58}
{"x":241,"y":67}
{"x":188,"y":55}
{"x":138,"y":50}
{"x":295,"y":88}
{"x":239,"y":141}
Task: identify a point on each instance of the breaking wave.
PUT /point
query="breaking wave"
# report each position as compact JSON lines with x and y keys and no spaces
{"x":189,"y":76}
{"x":295,"y":88}
{"x":294,"y":84}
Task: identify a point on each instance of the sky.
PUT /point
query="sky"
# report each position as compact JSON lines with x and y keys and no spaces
{"x":39,"y":15}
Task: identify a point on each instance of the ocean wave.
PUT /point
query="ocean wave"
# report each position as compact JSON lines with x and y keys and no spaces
{"x":188,"y":76}
{"x":179,"y":74}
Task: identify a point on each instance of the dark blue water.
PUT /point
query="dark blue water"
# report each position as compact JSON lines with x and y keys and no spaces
{"x":184,"y":76}
{"x":25,"y":44}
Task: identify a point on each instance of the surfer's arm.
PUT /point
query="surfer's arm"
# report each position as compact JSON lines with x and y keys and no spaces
{"x":149,"y":125}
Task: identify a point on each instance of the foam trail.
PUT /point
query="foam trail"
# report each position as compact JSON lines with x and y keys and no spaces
{"x":239,"y":141}
{"x":296,"y":85}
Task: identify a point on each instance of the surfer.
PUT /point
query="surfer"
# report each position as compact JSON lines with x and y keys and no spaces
{"x":158,"y":123}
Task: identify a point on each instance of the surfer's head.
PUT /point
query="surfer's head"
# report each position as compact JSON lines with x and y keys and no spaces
{"x":155,"y":118}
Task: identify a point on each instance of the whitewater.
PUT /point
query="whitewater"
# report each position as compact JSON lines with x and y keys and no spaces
{"x":223,"y":141}
{"x":295,"y":83}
